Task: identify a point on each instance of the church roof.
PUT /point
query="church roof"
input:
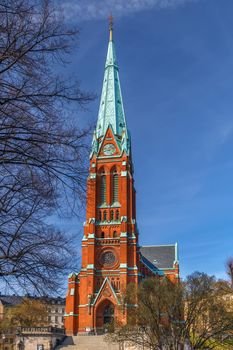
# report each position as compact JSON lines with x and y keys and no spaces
{"x":161,"y":256}
{"x":111,"y":110}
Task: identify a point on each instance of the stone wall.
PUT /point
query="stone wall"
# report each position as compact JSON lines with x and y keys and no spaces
{"x":39,"y":338}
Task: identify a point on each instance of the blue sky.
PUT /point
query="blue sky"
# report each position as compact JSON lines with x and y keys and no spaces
{"x":176,"y":71}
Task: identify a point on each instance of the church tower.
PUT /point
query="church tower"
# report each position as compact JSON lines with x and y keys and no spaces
{"x":110,"y":252}
{"x":111,"y":256}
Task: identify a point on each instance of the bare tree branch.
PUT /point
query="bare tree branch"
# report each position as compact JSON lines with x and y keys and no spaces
{"x":43,"y":152}
{"x":171,"y":316}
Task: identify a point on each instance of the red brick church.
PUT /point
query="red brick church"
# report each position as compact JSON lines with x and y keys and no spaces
{"x":111,"y":255}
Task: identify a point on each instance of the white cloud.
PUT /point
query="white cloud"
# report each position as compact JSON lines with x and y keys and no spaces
{"x":97,"y":9}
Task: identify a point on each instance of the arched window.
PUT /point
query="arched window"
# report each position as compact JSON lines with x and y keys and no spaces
{"x":100,"y":216}
{"x":102,"y":234}
{"x":103,"y":189}
{"x":112,"y":215}
{"x":118,"y":284}
{"x":114,"y":234}
{"x":105,"y":215}
{"x":117,"y":215}
{"x":115,"y":187}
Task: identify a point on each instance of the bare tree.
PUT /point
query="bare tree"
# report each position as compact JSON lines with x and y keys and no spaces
{"x":230,"y":270}
{"x":168,"y":315}
{"x":208,"y":318}
{"x":43,"y":151}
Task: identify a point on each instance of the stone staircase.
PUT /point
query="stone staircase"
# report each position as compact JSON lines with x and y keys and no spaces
{"x":87,"y":342}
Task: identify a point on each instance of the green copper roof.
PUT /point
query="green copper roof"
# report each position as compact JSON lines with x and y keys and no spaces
{"x":111,"y":110}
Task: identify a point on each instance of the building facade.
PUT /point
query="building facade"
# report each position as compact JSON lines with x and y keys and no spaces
{"x":111,"y":255}
{"x":28,"y":338}
{"x":55,"y":307}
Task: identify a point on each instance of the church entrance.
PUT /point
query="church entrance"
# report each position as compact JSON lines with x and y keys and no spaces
{"x":104,"y":315}
{"x":108,"y":314}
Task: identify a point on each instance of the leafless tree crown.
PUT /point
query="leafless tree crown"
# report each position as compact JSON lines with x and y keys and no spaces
{"x":42,"y":152}
{"x":230,"y":270}
{"x":193,"y":314}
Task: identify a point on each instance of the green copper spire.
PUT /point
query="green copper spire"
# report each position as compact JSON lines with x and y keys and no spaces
{"x":111,"y":110}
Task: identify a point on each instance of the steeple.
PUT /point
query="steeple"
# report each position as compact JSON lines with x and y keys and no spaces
{"x":111,"y":110}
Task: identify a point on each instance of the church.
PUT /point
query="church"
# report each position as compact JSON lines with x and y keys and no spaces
{"x":111,"y":254}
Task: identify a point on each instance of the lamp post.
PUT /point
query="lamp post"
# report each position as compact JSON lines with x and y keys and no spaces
{"x":3,"y":340}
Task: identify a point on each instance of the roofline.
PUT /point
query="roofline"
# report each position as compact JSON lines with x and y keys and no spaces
{"x":160,"y":245}
{"x":157,"y":272}
{"x":2,"y":296}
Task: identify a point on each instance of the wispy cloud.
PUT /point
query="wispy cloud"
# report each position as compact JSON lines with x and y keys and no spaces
{"x":97,"y":9}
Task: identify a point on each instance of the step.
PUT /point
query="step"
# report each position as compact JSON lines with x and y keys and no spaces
{"x":87,"y":342}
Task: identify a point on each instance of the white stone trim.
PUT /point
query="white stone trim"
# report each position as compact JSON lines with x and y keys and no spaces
{"x":123,"y":265}
{"x":90,"y":266}
{"x":123,"y":234}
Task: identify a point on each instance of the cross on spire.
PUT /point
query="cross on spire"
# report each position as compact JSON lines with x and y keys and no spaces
{"x":110,"y":18}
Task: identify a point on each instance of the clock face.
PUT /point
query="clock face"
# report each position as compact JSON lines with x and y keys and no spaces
{"x":109,"y":149}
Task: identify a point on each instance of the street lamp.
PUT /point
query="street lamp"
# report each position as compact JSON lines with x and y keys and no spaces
{"x":3,"y":339}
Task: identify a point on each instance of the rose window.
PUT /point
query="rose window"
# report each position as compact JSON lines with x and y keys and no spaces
{"x":108,"y":258}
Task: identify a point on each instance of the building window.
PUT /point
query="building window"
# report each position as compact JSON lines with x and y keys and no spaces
{"x":103,"y":189}
{"x":118,"y":284}
{"x":112,"y":215}
{"x":100,"y":216}
{"x":114,"y":234}
{"x":105,"y":215}
{"x":102,"y":234}
{"x":115,"y":188}
{"x":117,"y":215}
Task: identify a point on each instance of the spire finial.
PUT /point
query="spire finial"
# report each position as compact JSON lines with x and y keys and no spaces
{"x":110,"y":27}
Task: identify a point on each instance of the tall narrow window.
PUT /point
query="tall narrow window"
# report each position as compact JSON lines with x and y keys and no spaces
{"x":117,"y":215}
{"x":103,"y":189}
{"x":115,"y":188}
{"x":112,"y":215}
{"x":105,"y":215}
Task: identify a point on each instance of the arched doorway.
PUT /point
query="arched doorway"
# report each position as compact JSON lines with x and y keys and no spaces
{"x":108,"y":314}
{"x":104,"y":314}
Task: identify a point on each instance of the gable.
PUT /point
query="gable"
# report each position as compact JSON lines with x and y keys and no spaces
{"x":106,"y":291}
{"x":109,"y":146}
